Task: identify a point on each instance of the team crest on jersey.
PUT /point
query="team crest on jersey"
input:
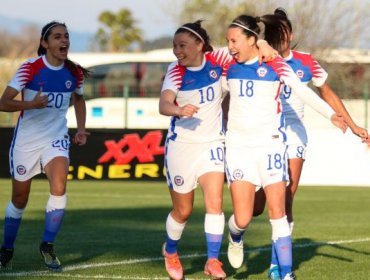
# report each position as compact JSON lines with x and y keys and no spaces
{"x":179,"y":181}
{"x":21,"y":170}
{"x":300,"y":73}
{"x":213,"y":74}
{"x":68,"y":84}
{"x":238,"y":174}
{"x":261,"y":72}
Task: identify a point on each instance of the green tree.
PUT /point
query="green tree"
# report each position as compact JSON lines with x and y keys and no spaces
{"x":119,"y":31}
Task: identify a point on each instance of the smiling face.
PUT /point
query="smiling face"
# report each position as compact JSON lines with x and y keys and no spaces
{"x":241,"y":47}
{"x":56,"y":45}
{"x":187,"y":49}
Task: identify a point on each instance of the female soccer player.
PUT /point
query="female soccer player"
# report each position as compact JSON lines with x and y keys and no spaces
{"x":41,"y":142}
{"x":194,"y":153}
{"x":255,"y":148}
{"x":191,"y":94}
{"x":293,"y":108}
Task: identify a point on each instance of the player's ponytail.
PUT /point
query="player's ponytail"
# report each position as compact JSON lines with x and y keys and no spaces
{"x":74,"y":67}
{"x":275,"y":30}
{"x":283,"y":15}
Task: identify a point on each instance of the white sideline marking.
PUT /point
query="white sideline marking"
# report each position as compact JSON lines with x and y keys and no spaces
{"x":146,"y":260}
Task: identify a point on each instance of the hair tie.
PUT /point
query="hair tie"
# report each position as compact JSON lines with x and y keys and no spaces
{"x":244,"y":27}
{"x":50,"y":27}
{"x":194,"y":32}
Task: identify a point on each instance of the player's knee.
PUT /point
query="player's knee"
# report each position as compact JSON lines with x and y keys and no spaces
{"x":276,"y":212}
{"x":20,"y":200}
{"x":242,"y":222}
{"x":58,"y":188}
{"x":214,"y":208}
{"x":182,"y":214}
{"x":58,"y":192}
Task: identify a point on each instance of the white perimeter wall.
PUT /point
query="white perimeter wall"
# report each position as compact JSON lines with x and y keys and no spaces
{"x":334,"y":158}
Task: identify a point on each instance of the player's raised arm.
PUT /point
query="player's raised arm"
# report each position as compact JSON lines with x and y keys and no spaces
{"x":337,"y":104}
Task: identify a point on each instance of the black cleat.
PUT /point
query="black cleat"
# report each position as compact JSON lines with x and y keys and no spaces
{"x":51,"y":260}
{"x":6,"y":254}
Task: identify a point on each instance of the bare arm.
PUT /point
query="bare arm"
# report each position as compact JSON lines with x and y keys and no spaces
{"x":168,"y":107}
{"x":80,"y":137}
{"x":309,"y":97}
{"x":336,"y":103}
{"x":9,"y":104}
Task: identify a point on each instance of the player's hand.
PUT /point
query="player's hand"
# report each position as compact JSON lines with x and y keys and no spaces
{"x":80,"y":137}
{"x":366,"y":140}
{"x":360,"y":132}
{"x":266,"y":53}
{"x":39,"y":101}
{"x":188,"y":110}
{"x":339,"y":122}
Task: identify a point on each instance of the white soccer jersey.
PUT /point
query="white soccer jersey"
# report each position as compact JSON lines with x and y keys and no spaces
{"x":38,"y":127}
{"x":307,"y":69}
{"x":255,"y":113}
{"x":200,"y":86}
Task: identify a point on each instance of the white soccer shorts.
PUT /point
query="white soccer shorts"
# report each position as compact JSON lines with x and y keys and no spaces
{"x":295,"y":132}
{"x":296,"y":151}
{"x":186,"y":162}
{"x":260,"y":165}
{"x":26,"y":164}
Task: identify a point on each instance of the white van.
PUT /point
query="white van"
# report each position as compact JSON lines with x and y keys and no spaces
{"x":123,"y":89}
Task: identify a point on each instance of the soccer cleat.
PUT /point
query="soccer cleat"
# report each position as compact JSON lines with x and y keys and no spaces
{"x":289,"y":276}
{"x":6,"y":254}
{"x":214,"y":269}
{"x":51,"y":260}
{"x":173,"y":264}
{"x":274,"y":273}
{"x":235,"y":253}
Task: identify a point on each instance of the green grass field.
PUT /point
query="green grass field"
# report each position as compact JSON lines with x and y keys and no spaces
{"x":114,"y":230}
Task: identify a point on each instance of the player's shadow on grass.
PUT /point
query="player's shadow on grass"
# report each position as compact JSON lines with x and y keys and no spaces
{"x":95,"y":235}
{"x":304,"y":249}
{"x":109,"y":236}
{"x":127,"y":233}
